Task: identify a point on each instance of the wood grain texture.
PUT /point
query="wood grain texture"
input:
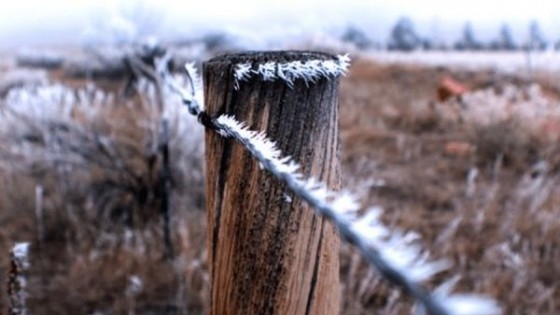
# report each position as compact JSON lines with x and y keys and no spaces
{"x":268,"y":255}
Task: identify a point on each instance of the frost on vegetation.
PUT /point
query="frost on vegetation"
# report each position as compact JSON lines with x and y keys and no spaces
{"x":55,"y":102}
{"x":54,"y":124}
{"x":44,"y":125}
{"x":309,"y":71}
{"x":135,"y":286}
{"x":18,"y":78}
{"x":17,"y":281}
{"x":528,"y":105}
{"x":20,"y":253}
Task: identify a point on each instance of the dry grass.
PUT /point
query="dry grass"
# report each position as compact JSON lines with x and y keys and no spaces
{"x":493,"y":208}
{"x":484,"y":194}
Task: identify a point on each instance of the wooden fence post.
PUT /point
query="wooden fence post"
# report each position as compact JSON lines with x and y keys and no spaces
{"x":268,"y":253}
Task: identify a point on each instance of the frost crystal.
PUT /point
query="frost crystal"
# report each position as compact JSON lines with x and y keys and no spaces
{"x":309,"y":71}
{"x":242,"y":73}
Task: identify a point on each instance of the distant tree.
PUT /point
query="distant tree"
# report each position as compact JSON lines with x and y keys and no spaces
{"x":216,"y":41}
{"x":427,"y":44}
{"x":468,"y":40}
{"x":435,"y":40}
{"x":357,"y":37}
{"x":505,"y":40}
{"x":404,"y":37}
{"x":536,"y":40}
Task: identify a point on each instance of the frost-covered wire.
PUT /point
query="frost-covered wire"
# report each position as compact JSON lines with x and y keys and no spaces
{"x":462,"y":304}
{"x":308,"y":71}
{"x":189,"y":97}
{"x":397,"y":256}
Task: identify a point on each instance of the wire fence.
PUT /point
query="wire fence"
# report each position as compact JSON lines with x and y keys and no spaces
{"x":396,"y":255}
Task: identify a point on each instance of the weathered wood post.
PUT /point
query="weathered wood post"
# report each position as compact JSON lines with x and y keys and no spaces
{"x":268,"y":252}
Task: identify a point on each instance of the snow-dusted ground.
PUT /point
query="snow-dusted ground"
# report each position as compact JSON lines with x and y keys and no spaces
{"x":502,"y":61}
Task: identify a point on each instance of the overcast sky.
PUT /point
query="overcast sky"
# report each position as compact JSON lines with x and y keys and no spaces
{"x":60,"y":21}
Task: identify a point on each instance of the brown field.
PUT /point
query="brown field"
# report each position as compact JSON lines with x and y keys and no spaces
{"x":480,"y":187}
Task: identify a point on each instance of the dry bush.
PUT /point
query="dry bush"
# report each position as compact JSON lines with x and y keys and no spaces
{"x":20,"y":77}
{"x":504,"y":140}
{"x":518,"y":124}
{"x":98,"y":160}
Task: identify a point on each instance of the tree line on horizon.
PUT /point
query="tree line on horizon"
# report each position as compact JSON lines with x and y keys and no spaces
{"x":404,"y":37}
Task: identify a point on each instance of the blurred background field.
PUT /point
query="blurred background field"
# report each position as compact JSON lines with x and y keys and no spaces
{"x":456,"y":136}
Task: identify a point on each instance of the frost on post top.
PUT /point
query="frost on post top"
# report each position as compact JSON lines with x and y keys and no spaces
{"x":287,"y":66}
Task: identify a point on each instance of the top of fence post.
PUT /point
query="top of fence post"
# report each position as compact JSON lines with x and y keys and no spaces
{"x":268,"y":252}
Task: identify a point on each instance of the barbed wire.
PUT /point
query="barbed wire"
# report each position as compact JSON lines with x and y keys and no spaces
{"x":395,"y":255}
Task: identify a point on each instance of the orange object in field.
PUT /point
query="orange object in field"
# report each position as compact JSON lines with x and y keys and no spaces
{"x":551,"y":130}
{"x":458,"y":148}
{"x":449,"y":87}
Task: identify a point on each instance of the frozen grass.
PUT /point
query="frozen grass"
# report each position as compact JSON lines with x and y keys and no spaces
{"x":96,"y":157}
{"x":20,"y":77}
{"x":479,"y":208}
